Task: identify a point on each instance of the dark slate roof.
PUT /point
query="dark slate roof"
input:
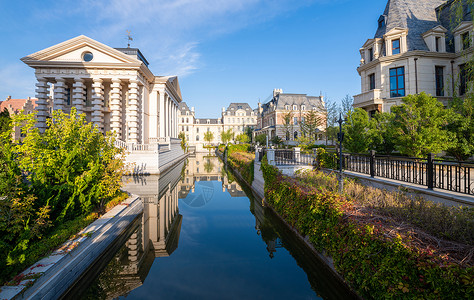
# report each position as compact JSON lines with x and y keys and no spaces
{"x":281,"y":100}
{"x":233,"y":107}
{"x":211,"y":121}
{"x":183,"y":108}
{"x":135,"y":52}
{"x":446,"y":19}
{"x":418,"y":16}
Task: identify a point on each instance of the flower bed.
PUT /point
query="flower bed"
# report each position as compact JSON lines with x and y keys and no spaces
{"x":243,"y":162}
{"x":376,"y":253}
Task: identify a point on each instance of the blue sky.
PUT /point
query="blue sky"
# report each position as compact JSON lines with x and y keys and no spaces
{"x":222,"y":50}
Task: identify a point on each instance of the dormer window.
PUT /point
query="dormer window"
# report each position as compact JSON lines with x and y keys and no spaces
{"x":466,"y":40}
{"x":287,"y":107}
{"x":371,"y":54}
{"x":396,"y":46}
{"x":438,"y":43}
{"x":294,"y":107}
{"x":303,"y":107}
{"x":381,"y":21}
{"x":208,"y":122}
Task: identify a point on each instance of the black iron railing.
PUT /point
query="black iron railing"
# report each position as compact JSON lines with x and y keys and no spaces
{"x":434,"y":173}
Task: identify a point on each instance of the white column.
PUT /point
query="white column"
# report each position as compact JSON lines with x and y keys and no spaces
{"x":174,"y":121}
{"x":42,"y":103}
{"x":133,"y":111}
{"x":169,"y":116}
{"x":79,"y":95}
{"x":116,"y":108}
{"x":161,"y":114}
{"x":59,"y":93}
{"x":98,"y":104}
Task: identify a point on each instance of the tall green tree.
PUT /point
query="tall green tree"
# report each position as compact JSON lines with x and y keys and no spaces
{"x":382,"y":133}
{"x":462,"y":127}
{"x":312,"y":121}
{"x":261,"y":139}
{"x":288,"y":124}
{"x":357,"y":138}
{"x":420,"y":124}
{"x":346,"y":105}
{"x":208,"y":136}
{"x":242,"y":138}
{"x":249,"y":132}
{"x":227,"y":136}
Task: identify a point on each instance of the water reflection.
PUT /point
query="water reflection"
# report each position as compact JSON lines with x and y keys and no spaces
{"x":221,"y":253}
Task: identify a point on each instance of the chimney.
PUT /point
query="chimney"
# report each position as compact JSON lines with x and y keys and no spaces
{"x":223,"y":109}
{"x":192,"y":109}
{"x":9,"y":97}
{"x":277,"y":91}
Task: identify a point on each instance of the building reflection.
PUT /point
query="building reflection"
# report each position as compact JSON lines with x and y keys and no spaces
{"x":202,"y":169}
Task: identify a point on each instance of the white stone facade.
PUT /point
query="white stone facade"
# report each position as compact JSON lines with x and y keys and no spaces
{"x":406,"y":58}
{"x":113,"y":87}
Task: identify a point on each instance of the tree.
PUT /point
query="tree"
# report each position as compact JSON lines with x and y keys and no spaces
{"x":276,"y":140}
{"x":227,"y":136}
{"x":309,"y":128}
{"x":65,"y":172}
{"x":182,"y":136}
{"x":462,"y":127}
{"x":261,"y":139}
{"x":5,"y":121}
{"x":242,"y":138}
{"x":208,"y":136}
{"x":381,"y":133}
{"x":249,"y":133}
{"x":288,"y":124}
{"x":346,"y":105}
{"x":420,"y":126}
{"x":330,"y":111}
{"x":356,"y":130}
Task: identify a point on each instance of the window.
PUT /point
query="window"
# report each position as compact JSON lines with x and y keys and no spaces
{"x":302,"y":120}
{"x":187,"y":120}
{"x":371,"y":54}
{"x":287,"y":107}
{"x":396,"y":46}
{"x":182,"y":120}
{"x":372,"y":81}
{"x":303,"y":107}
{"x":295,"y":120}
{"x":464,"y":74}
{"x":397,"y":82}
{"x":294,"y":107}
{"x":187,"y":128}
{"x":438,"y":43}
{"x":197,"y":130}
{"x":381,"y":21}
{"x":295,"y":135}
{"x":466,"y":40}
{"x":208,"y":129}
{"x":87,"y":56}
{"x":439,"y":79}
{"x":197,"y":138}
{"x":68,"y":96}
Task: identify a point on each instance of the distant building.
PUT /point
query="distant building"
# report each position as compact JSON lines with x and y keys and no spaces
{"x":417,"y":47}
{"x":238,"y":116}
{"x":271,"y":115}
{"x":15,"y":106}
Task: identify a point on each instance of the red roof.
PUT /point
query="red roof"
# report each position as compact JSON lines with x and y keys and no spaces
{"x":16,"y":105}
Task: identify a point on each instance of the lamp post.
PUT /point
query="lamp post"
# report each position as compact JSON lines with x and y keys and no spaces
{"x":340,"y":138}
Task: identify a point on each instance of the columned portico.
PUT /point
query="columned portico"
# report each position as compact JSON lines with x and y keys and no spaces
{"x":98,"y":104}
{"x":116,"y":107}
{"x":133,"y":111}
{"x":59,"y":93}
{"x":79,"y":97}
{"x":42,"y":92}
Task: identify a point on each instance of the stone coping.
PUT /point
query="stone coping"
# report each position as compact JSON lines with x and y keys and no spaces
{"x":51,"y":276}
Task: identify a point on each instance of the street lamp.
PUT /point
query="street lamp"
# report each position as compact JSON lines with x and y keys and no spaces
{"x":340,"y":138}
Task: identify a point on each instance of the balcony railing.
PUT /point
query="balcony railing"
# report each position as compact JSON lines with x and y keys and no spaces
{"x":374,"y":96}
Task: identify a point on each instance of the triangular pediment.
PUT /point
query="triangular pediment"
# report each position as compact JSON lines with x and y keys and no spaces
{"x":73,"y":51}
{"x":396,"y":31}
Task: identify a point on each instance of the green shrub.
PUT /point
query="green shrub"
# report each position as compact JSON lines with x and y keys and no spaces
{"x":326,"y":159}
{"x":374,"y":256}
{"x":50,"y":178}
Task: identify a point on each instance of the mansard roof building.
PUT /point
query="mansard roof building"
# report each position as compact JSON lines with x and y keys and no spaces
{"x":271,"y":115}
{"x":237,"y":117}
{"x":418,"y":46}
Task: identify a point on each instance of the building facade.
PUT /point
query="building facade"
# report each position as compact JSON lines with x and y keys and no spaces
{"x":113,"y":87}
{"x":237,"y":117}
{"x":16,"y":106}
{"x":283,"y":115}
{"x":418,"y":46}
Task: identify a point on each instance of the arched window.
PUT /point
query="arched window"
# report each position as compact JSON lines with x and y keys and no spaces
{"x":187,"y":120}
{"x":294,"y":107}
{"x":287,"y":135}
{"x":197,"y":138}
{"x":295,"y":136}
{"x":182,"y":120}
{"x":303,"y":107}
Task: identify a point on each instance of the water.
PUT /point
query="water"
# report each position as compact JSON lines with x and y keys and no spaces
{"x":201,"y":236}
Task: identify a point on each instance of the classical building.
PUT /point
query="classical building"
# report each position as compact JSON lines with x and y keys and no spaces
{"x":417,"y":47}
{"x":237,"y":116}
{"x":271,"y":115}
{"x":113,"y":87}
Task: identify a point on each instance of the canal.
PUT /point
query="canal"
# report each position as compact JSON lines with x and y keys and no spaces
{"x":203,"y":236}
